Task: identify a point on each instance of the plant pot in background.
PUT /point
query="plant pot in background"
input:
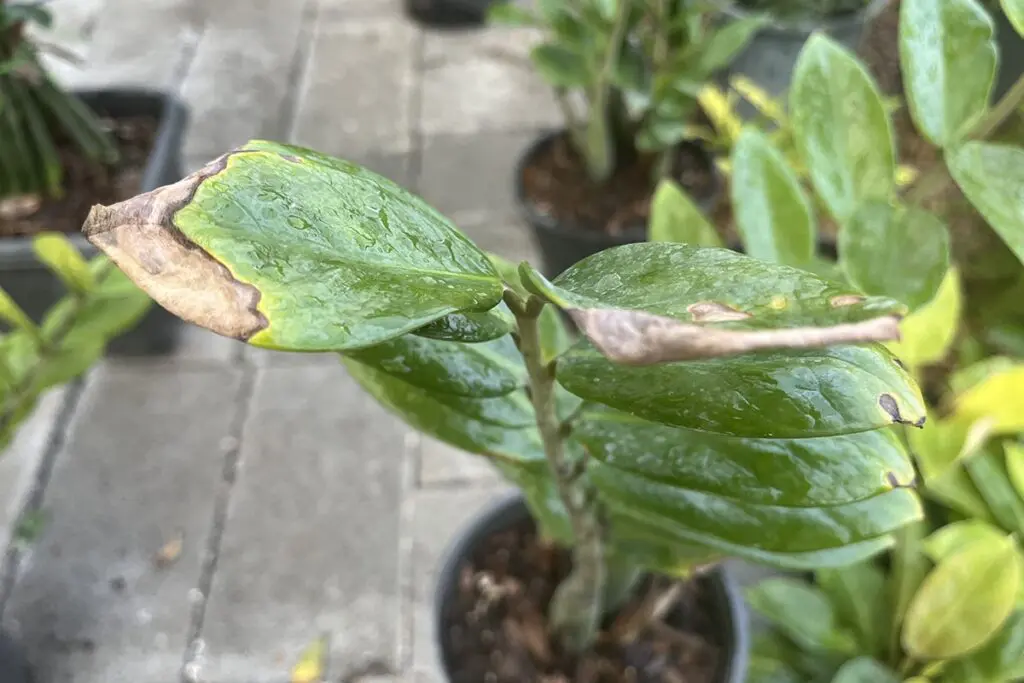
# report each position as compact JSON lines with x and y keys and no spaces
{"x":720,"y":597}
{"x":14,"y":665}
{"x":769,"y":58}
{"x":449,"y":13}
{"x":35,"y":288}
{"x":562,"y":244}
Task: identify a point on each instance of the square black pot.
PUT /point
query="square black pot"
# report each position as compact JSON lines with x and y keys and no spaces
{"x":36,"y":289}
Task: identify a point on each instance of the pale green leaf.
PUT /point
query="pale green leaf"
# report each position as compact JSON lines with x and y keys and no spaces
{"x":927,"y":334}
{"x":802,"y":612}
{"x":676,"y":218}
{"x":1014,"y":10}
{"x":991,"y":177}
{"x":864,"y":670}
{"x":61,"y":257}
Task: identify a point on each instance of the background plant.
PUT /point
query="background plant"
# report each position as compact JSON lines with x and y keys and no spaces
{"x":37,"y":116}
{"x":663,"y":441}
{"x":626,"y":72}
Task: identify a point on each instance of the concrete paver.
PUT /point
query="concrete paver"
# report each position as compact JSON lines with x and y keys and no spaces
{"x":142,"y":464}
{"x":444,"y":465}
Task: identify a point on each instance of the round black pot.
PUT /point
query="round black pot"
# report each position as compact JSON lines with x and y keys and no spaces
{"x":561,"y":246}
{"x":770,"y":56}
{"x":449,"y":13}
{"x":14,"y":666}
{"x":511,"y":511}
{"x":35,"y":288}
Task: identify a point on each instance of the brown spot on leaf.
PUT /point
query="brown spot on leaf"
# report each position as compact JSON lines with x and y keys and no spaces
{"x":292,"y":158}
{"x":845,"y":300}
{"x":894,"y":482}
{"x":714,"y":312}
{"x":889,"y":405}
{"x":641,"y":338}
{"x":140,"y":237}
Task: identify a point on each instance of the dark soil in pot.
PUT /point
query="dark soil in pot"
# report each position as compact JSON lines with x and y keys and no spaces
{"x":149,"y":128}
{"x":453,"y":14}
{"x":573,"y":217}
{"x":493,"y":597}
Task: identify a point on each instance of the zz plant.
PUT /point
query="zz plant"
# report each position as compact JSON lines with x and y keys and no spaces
{"x":717,"y":405}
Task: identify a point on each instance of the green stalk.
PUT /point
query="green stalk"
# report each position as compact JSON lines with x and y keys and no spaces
{"x":576,"y":608}
{"x":43,"y":151}
{"x":599,"y":151}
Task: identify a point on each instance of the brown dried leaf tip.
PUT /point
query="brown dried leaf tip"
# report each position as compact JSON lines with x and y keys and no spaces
{"x":640,"y":338}
{"x":889,"y":405}
{"x":140,"y":237}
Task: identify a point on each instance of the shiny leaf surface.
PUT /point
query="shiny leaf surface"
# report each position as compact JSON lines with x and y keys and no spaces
{"x":991,"y":176}
{"x":675,"y":218}
{"x":895,"y":251}
{"x":964,"y":601}
{"x":471,"y":370}
{"x":948,"y":61}
{"x":841,"y":127}
{"x":290,"y":249}
{"x":802,"y":612}
{"x":927,"y":334}
{"x":772,"y":213}
{"x":471,"y":328}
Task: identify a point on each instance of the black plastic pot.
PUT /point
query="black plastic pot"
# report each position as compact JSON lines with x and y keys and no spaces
{"x":769,"y":58}
{"x":449,"y":13}
{"x":14,"y":666}
{"x":36,"y":289}
{"x":511,"y":511}
{"x":561,"y":246}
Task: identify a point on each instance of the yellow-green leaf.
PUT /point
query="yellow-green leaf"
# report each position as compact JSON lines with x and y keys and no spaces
{"x":12,"y":314}
{"x":675,"y":218}
{"x":964,"y":601}
{"x":998,"y":398}
{"x":927,"y":334}
{"x":1015,"y":465}
{"x":57,"y":252}
{"x":939,"y":451}
{"x":1014,"y":10}
{"x":957,"y":536}
{"x":311,"y":667}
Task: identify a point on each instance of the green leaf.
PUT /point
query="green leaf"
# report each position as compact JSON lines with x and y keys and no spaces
{"x":555,"y":338}
{"x":990,"y":176}
{"x":559,"y":66}
{"x":964,"y":601}
{"x":1000,"y":660}
{"x":909,"y":568}
{"x":955,"y":537}
{"x":841,"y":127}
{"x":948,"y":61}
{"x":502,"y":428}
{"x":60,"y":256}
{"x":1014,"y":10}
{"x":858,"y":595}
{"x":675,"y":218}
{"x":1015,"y":465}
{"x":865,"y":670}
{"x":290,"y":249}
{"x":987,"y":470}
{"x":895,"y":251}
{"x":996,"y":398}
{"x":12,"y":314}
{"x":471,"y":328}
{"x":927,"y":334}
{"x":939,"y":450}
{"x":470,"y":370}
{"x":509,"y":273}
{"x":772,"y":213}
{"x":802,"y":612}
{"x":511,"y":14}
{"x":723,"y":45}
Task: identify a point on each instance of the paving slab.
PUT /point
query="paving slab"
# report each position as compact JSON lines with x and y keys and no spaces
{"x":482,"y":81}
{"x":447,"y":466}
{"x":438,"y":517}
{"x":239,"y":77}
{"x":142,"y":463}
{"x":362,"y":9}
{"x":505,"y":235}
{"x":311,"y":540}
{"x":356,"y":95}
{"x":21,"y":461}
{"x":472,"y":172}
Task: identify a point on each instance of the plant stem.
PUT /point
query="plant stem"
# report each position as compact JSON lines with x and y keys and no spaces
{"x":576,"y":607}
{"x":600,"y":145}
{"x":936,"y":178}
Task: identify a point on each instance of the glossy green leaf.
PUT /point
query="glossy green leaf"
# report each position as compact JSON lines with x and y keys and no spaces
{"x":895,"y":251}
{"x":1015,"y":466}
{"x":471,"y":328}
{"x":1014,"y":10}
{"x":987,"y":469}
{"x":502,"y":428}
{"x":675,"y":218}
{"x":997,"y":398}
{"x":948,"y":61}
{"x":61,"y":257}
{"x":1000,"y":660}
{"x":471,"y":370}
{"x":290,"y":249}
{"x":927,"y":334}
{"x":559,"y":66}
{"x":964,"y":601}
{"x":990,"y":176}
{"x":841,"y":127}
{"x":709,"y":286}
{"x":859,"y":596}
{"x":802,"y":612}
{"x":555,"y":338}
{"x":865,"y":670}
{"x":793,"y":394}
{"x":955,"y":537}
{"x":772,"y":213}
{"x":805,"y":474}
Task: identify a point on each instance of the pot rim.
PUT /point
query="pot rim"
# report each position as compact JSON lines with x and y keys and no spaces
{"x":511,"y":507}
{"x":548,"y":224}
{"x":805,"y":25}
